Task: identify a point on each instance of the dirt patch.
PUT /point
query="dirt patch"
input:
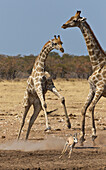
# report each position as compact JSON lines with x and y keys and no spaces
{"x":49,"y":160}
{"x":51,"y":143}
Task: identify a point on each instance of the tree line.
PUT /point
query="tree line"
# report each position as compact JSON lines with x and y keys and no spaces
{"x":67,"y":66}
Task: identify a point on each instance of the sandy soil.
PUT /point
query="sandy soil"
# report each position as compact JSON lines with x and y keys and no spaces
{"x":43,"y":149}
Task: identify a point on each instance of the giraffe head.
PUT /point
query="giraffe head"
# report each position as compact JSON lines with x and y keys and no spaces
{"x":57,"y":43}
{"x":74,"y":21}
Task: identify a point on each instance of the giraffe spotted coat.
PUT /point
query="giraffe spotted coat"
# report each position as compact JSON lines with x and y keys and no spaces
{"x":97,"y":80}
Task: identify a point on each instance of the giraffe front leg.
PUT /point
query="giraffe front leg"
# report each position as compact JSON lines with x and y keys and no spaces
{"x":65,"y":110}
{"x":83,"y":112}
{"x":47,"y":122}
{"x":41,"y":96}
{"x":54,"y":90}
{"x":97,"y":96}
{"x":44,"y":107}
{"x":94,"y":136}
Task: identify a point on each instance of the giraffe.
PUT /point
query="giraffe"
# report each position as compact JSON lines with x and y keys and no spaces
{"x":37,"y":85}
{"x":97,"y":80}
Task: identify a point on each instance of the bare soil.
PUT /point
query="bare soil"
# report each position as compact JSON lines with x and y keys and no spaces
{"x":42,"y":150}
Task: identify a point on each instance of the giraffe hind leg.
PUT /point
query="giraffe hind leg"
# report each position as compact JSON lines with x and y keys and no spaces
{"x":37,"y":109}
{"x":23,"y":121}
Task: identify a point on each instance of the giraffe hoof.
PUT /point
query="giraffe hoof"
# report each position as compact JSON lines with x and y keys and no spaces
{"x":69,"y":124}
{"x":94,"y":137}
{"x":48,"y":128}
{"x":82,"y":139}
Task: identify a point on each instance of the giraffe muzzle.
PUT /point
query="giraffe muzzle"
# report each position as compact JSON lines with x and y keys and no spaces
{"x":62,"y":50}
{"x":64,"y":26}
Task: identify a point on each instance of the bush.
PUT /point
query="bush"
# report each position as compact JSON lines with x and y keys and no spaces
{"x":67,"y":66}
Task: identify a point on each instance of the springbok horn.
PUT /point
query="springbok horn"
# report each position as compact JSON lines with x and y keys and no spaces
{"x":75,"y":134}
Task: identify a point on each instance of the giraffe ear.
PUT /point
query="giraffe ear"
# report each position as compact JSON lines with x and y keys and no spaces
{"x":52,"y":43}
{"x":82,"y":19}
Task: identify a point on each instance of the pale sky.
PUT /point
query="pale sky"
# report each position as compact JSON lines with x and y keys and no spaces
{"x":26,"y":25}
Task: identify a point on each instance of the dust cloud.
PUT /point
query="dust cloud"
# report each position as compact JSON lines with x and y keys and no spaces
{"x":51,"y":143}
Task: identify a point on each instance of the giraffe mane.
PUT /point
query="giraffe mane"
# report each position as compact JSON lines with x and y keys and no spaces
{"x":46,"y":44}
{"x":42,"y":48}
{"x":95,"y":38}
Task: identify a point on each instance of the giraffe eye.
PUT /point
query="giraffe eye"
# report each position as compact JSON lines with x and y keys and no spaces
{"x":55,"y":43}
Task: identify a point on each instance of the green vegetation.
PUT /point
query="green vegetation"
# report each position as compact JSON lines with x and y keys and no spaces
{"x":67,"y":66}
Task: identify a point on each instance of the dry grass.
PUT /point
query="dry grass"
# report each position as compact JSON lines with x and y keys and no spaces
{"x":75,"y":93}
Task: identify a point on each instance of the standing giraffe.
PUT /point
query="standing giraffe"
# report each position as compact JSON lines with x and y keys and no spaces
{"x":97,"y":80}
{"x":37,"y":85}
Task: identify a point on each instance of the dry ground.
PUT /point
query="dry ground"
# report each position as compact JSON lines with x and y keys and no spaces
{"x":43,"y":149}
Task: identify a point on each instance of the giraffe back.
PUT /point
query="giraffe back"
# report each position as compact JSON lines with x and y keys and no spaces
{"x":30,"y":93}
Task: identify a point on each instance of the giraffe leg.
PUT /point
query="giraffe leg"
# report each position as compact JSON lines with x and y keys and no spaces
{"x":65,"y":110}
{"x":83,"y":112}
{"x":97,"y":96}
{"x":93,"y":127}
{"x":37,"y":109}
{"x":23,"y":121}
{"x":54,"y":90}
{"x":47,"y":123}
{"x":44,"y":107}
{"x":41,"y":96}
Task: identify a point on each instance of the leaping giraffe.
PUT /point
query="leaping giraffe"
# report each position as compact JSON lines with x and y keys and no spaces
{"x":37,"y":85}
{"x":97,"y":80}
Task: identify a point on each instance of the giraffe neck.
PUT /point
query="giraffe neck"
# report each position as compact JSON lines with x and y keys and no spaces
{"x":96,"y":53}
{"x":39,"y":65}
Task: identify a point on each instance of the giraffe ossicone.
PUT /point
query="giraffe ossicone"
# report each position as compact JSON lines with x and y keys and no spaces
{"x":97,"y":80}
{"x":38,"y":83}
